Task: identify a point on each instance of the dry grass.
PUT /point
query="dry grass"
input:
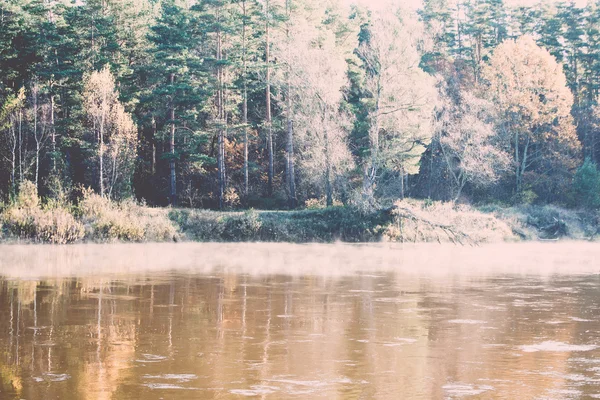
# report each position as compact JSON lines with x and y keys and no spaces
{"x":25,"y":219}
{"x":106,"y":220}
{"x":419,"y":221}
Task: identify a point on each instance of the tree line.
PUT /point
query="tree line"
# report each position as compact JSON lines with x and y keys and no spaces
{"x":282,"y":103}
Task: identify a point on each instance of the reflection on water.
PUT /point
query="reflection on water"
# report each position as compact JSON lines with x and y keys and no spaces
{"x":282,"y":321}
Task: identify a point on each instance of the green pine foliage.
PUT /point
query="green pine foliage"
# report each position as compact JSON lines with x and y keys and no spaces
{"x":192,"y":74}
{"x":586,"y":185}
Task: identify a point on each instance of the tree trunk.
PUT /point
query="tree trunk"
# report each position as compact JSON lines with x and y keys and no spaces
{"x":13,"y":160}
{"x":370,"y":171}
{"x":101,"y":155}
{"x":522,"y":167}
{"x":518,"y":166}
{"x":53,"y":133}
{"x":268,"y":104}
{"x":153,"y":161}
{"x":245,"y":101}
{"x":402,"y":183}
{"x":221,"y":121}
{"x":37,"y":162}
{"x":291,"y":176}
{"x":290,"y":163}
{"x":328,"y":188}
{"x":173,"y":199}
{"x":37,"y":140}
{"x":21,"y":145}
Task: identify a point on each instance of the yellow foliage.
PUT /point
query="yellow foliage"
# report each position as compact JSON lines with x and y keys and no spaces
{"x":26,"y":220}
{"x":126,"y":220}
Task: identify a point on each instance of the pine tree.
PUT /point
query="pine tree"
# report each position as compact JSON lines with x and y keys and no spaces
{"x":176,"y":79}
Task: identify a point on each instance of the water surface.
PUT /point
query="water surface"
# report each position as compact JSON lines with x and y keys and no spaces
{"x":275,"y":321}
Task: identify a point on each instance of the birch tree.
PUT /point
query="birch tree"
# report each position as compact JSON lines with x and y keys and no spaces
{"x":113,"y":129}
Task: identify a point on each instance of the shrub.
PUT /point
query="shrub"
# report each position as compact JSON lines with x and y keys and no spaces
{"x":586,"y":185}
{"x":231,"y":198}
{"x":244,"y":227}
{"x":57,"y":225}
{"x":28,"y":195}
{"x":416,"y":221}
{"x":314,"y":204}
{"x":108,"y":220}
{"x":26,"y":220}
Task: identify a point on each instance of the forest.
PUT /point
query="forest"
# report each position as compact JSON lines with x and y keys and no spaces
{"x":284,"y":104}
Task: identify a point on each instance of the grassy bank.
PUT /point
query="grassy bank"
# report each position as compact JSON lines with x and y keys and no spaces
{"x":407,"y":221}
{"x":97,"y":219}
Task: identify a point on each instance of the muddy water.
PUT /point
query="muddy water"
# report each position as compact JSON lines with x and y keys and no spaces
{"x":300,"y":322}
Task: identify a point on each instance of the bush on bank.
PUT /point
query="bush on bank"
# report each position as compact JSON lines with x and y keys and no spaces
{"x":95,"y":218}
{"x":27,"y":219}
{"x":314,"y":225}
{"x":107,"y":220}
{"x":98,"y":219}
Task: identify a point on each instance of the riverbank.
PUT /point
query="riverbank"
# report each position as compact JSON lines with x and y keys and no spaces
{"x":96,"y":219}
{"x":407,"y":221}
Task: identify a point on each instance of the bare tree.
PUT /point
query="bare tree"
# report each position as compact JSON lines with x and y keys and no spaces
{"x":472,"y":150}
{"x":313,"y":75}
{"x":403,"y":97}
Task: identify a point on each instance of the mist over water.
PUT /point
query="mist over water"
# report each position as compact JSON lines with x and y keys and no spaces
{"x":280,"y":321}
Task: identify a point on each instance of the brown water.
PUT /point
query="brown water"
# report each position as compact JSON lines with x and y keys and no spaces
{"x":513,"y":321}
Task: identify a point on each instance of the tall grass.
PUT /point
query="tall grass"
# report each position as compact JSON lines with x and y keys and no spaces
{"x":107,"y":220}
{"x":27,"y":219}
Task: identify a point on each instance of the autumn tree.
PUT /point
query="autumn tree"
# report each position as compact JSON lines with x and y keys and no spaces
{"x":529,"y":90}
{"x":401,"y":99}
{"x":113,"y":128}
{"x":315,"y":77}
{"x":8,"y":126}
{"x":472,"y":150}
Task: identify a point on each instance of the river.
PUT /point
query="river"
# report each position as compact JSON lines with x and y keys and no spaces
{"x":280,"y":321}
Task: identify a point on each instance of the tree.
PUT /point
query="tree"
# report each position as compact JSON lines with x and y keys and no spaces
{"x":586,"y":184}
{"x":402,"y":99}
{"x":121,"y":151}
{"x":111,"y":125}
{"x":313,"y":77}
{"x":469,"y":143}
{"x":8,"y":120}
{"x":533,"y":102}
{"x":176,"y":80}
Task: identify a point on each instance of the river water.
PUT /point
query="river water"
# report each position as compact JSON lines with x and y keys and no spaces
{"x":278,"y":321}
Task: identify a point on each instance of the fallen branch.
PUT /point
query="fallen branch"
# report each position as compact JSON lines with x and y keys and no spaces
{"x":453,"y":235}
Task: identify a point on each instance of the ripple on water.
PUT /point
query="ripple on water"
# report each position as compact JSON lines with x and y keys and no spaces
{"x":48,"y":377}
{"x":463,"y":389}
{"x":167,"y":386}
{"x":174,"y":377}
{"x":567,"y":393}
{"x":551,"y":345}
{"x":151,"y":358}
{"x":255,"y":390}
{"x":466,"y":321}
{"x":400,"y":342}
